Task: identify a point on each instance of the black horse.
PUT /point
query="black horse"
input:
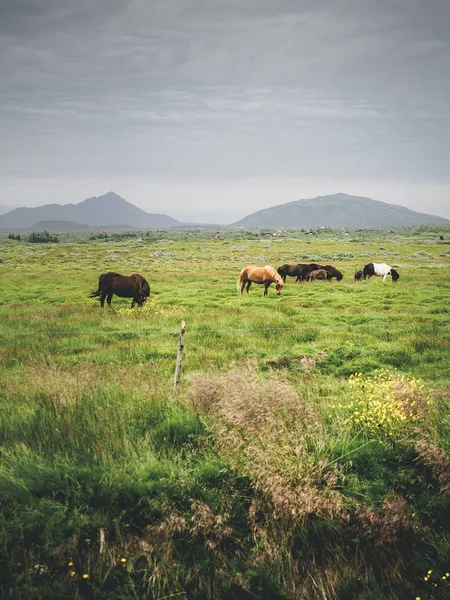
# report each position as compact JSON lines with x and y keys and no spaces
{"x":125,"y":286}
{"x":291,"y":270}
{"x":332,"y":272}
{"x":358,"y":276}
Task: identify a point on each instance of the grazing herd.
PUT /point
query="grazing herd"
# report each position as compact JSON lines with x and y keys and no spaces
{"x":302,"y":271}
{"x":305,"y":272}
{"x":136,"y":287}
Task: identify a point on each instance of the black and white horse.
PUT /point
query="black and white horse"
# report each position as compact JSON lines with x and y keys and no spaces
{"x":381,"y":270}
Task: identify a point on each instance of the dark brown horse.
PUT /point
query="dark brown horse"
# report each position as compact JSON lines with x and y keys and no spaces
{"x":291,"y":270}
{"x":125,"y":286}
{"x":332,"y":272}
{"x":306,"y":270}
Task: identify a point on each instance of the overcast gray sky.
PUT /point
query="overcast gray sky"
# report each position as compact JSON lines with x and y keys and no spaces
{"x":212,"y":109}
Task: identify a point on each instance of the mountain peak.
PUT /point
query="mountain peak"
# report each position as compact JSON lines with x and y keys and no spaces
{"x":108,"y":198}
{"x":107,"y":210}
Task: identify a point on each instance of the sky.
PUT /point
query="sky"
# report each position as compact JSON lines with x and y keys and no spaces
{"x":208,"y":110}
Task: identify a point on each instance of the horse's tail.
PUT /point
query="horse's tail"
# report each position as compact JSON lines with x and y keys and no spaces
{"x":99,"y":291}
{"x":240,"y":279}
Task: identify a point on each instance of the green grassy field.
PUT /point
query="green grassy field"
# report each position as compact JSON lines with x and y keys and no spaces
{"x":305,"y":455}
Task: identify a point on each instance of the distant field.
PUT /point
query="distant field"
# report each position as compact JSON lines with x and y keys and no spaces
{"x":305,"y":456}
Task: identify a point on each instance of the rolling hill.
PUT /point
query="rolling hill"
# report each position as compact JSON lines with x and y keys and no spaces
{"x":107,"y":210}
{"x":337,"y":210}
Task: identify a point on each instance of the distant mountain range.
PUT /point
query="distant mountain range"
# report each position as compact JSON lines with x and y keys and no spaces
{"x":113,"y":212}
{"x":337,"y":210}
{"x":107,"y":210}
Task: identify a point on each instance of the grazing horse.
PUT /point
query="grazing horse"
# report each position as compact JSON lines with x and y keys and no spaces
{"x":318,"y":274}
{"x":333,"y":272}
{"x":358,"y":276}
{"x":125,"y":286}
{"x":381,"y":270}
{"x":291,"y":270}
{"x":306,"y":270}
{"x":265,"y":275}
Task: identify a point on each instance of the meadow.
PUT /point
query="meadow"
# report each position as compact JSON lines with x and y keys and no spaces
{"x":305,"y":454}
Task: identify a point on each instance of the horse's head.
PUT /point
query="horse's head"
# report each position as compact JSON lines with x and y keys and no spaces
{"x":279,"y":285}
{"x":144,"y":292}
{"x":141,"y":301}
{"x":339,"y":276}
{"x":141,"y":298}
{"x":395,"y":276}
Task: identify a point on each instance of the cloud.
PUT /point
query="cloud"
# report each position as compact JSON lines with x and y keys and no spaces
{"x":230,"y":89}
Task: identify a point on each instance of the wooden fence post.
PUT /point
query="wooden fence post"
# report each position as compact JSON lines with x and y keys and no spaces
{"x":179,"y":357}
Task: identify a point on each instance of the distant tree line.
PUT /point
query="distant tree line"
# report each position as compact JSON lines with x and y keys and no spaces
{"x":14,"y":236}
{"x":102,"y":235}
{"x":114,"y":237}
{"x":42,"y":237}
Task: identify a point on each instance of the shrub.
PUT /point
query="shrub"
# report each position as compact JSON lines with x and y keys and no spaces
{"x":42,"y":237}
{"x":337,"y":256}
{"x":420,"y":254}
{"x":102,"y":235}
{"x":265,"y":428}
{"x":386,"y":404}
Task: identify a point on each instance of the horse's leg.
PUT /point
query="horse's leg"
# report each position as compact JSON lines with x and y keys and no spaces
{"x":266,"y":287}
{"x":249,"y":283}
{"x":241,"y":285}
{"x":102,"y":299}
{"x":108,"y":299}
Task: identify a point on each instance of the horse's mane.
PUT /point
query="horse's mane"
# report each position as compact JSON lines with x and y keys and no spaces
{"x":274,"y":274}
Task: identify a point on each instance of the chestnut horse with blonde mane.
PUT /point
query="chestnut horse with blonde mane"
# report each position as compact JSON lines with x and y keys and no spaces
{"x":265,"y":275}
